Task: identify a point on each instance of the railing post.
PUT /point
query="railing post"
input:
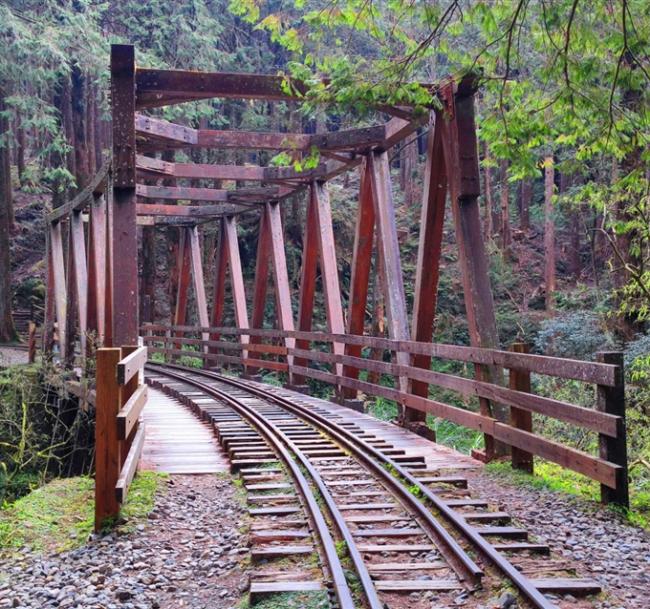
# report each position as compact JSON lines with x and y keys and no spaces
{"x":107,"y":449}
{"x":521,"y":419}
{"x":611,"y":400}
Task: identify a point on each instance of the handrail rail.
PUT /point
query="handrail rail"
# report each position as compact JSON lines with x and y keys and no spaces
{"x":97,"y":185}
{"x":607,"y":418}
{"x":588,"y":372}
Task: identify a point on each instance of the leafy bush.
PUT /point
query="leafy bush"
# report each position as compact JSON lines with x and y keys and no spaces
{"x":637,"y":352}
{"x":578,"y":335}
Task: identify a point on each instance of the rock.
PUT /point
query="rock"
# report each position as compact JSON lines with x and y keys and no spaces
{"x":507,"y":601}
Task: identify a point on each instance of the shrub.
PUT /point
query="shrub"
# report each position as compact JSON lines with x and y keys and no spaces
{"x":578,"y":335}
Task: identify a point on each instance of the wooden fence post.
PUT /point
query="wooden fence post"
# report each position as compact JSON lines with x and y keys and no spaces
{"x":521,"y":419}
{"x":611,"y":400}
{"x":107,"y":449}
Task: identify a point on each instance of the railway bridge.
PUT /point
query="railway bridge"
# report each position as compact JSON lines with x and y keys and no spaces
{"x":320,"y":475}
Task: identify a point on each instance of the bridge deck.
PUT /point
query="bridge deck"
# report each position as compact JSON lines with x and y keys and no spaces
{"x":436,"y":456}
{"x":176,"y":441}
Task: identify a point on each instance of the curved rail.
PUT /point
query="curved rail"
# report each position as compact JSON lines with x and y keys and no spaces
{"x":279,"y":440}
{"x":368,"y":455}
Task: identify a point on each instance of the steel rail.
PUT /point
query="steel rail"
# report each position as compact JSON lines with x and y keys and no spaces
{"x":465,"y":568}
{"x":276,"y":436}
{"x":364,"y":451}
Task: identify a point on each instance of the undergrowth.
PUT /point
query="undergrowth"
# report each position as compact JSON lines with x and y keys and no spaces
{"x":59,"y":516}
{"x":550,"y":476}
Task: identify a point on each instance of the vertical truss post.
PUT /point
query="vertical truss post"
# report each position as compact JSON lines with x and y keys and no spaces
{"x":124,"y":234}
{"x":360,"y":272}
{"x":228,"y":256}
{"x":219,"y":284}
{"x":307,"y":281}
{"x":260,"y":286}
{"x":284,"y":313}
{"x":461,"y":161}
{"x":229,"y":225}
{"x":71,"y":292}
{"x":108,"y":274}
{"x":388,"y":250}
{"x":50,"y":306}
{"x":184,"y":275}
{"x":97,"y":266}
{"x":78,"y":253}
{"x":197,"y":276}
{"x":328,"y":266}
{"x":58,"y":281}
{"x":427,"y":275}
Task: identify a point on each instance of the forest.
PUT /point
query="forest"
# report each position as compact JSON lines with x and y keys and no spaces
{"x":563,"y":120}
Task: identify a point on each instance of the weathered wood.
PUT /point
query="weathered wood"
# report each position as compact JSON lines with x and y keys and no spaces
{"x":130,"y":465}
{"x":181,"y":193}
{"x":327,"y":256}
{"x":522,"y":400}
{"x":125,"y":307}
{"x":157,"y":87}
{"x":284,"y":312}
{"x":219,"y":283}
{"x":427,"y":275}
{"x":128,"y":415}
{"x":188,"y":213}
{"x":261,"y":272}
{"x":107,"y":449}
{"x":611,"y":400}
{"x":360,"y":272}
{"x":97,"y":267}
{"x":78,"y":253}
{"x":131,"y":364}
{"x":57,"y":269}
{"x":519,"y":418}
{"x":236,"y":274}
{"x":197,"y":277}
{"x":308,"y":271}
{"x":393,"y":281}
{"x":461,"y":162}
{"x":183,"y":268}
{"x":97,"y":186}
{"x":588,"y":372}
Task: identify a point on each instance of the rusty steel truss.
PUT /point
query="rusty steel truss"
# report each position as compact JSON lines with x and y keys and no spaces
{"x":94,"y":291}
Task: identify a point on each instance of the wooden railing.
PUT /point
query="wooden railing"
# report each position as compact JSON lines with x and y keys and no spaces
{"x":302,"y":355}
{"x":119,"y":436}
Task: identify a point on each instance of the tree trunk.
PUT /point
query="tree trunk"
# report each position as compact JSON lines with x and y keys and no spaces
{"x":506,"y":236}
{"x":549,"y":234}
{"x":78,"y":98}
{"x":526,"y":200}
{"x":7,"y":329}
{"x":21,"y":145}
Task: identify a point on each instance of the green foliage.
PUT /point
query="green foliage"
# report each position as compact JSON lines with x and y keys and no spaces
{"x":577,"y":335}
{"x":564,"y":78}
{"x":60,"y":515}
{"x":552,"y":477}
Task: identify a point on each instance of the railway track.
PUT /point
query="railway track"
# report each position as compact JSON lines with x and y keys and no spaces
{"x":342,"y":511}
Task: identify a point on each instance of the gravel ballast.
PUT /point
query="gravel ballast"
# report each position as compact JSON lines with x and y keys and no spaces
{"x":190,"y":553}
{"x":601,"y":544}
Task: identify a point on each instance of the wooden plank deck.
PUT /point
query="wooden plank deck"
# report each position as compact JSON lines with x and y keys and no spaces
{"x":176,"y":441}
{"x":436,"y":456}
